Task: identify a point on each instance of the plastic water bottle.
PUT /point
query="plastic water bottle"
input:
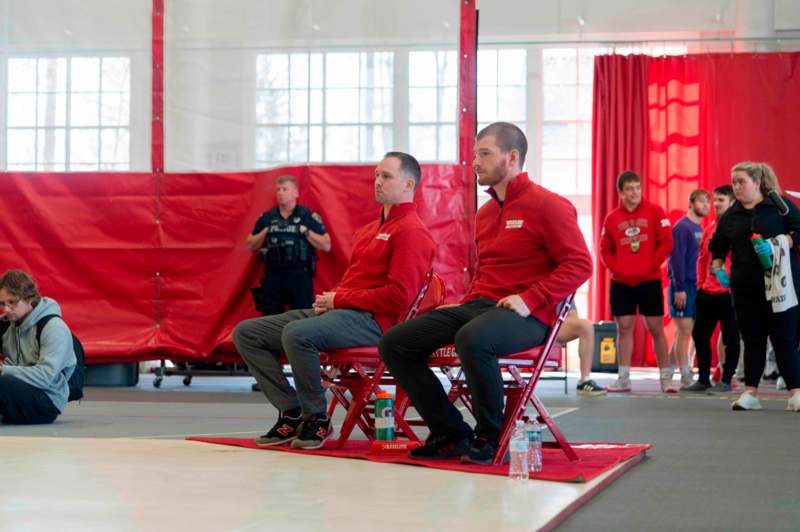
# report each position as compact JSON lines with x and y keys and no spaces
{"x":533,"y":430}
{"x":384,"y":416}
{"x":518,"y":448}
{"x":766,"y":260}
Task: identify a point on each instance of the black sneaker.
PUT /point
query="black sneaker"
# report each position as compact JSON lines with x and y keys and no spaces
{"x":441,"y":447}
{"x":481,"y":452}
{"x":696,"y":386}
{"x":313,"y":433}
{"x":591,"y":388}
{"x":285,"y":430}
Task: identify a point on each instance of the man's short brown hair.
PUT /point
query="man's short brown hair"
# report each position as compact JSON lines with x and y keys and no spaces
{"x":508,"y":137}
{"x":287,"y":179}
{"x":21,"y":285}
{"x":627,"y":177}
{"x":697,"y":193}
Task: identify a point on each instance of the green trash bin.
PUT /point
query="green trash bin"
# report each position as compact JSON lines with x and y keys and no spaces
{"x":605,"y":357}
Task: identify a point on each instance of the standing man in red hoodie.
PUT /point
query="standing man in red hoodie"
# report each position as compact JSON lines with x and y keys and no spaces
{"x":636,"y":239}
{"x":531,"y":255}
{"x":390,"y":259}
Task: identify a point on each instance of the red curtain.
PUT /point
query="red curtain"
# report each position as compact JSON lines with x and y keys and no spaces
{"x":146,"y":266}
{"x":682,"y":123}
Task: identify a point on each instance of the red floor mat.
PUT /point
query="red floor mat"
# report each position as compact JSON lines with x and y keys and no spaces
{"x":595,"y":458}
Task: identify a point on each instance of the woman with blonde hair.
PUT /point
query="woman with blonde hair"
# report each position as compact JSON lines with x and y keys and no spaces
{"x":761,"y":210}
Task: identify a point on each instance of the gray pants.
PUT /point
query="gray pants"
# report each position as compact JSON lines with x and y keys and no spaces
{"x":301,"y":334}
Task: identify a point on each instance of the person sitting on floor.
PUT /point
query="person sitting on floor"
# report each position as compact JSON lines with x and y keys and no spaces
{"x":35,"y":372}
{"x":583,"y":330}
{"x":390,"y":259}
{"x":531,"y":255}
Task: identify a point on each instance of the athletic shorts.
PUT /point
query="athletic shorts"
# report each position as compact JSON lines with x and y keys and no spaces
{"x":690,"y":311}
{"x":647,"y":296}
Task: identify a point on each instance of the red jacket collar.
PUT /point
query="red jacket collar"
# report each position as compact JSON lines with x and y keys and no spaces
{"x":515,"y":187}
{"x":398,"y":210}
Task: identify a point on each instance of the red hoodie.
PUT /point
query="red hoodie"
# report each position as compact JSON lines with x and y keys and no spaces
{"x":388,"y":265}
{"x":529,"y":245}
{"x":646,"y":225}
{"x":707,"y":282}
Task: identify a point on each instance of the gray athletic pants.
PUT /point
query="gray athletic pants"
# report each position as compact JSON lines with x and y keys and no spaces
{"x":301,"y":335}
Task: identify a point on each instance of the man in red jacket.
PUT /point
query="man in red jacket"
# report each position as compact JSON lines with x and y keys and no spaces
{"x":531,"y":255}
{"x":390,"y":259}
{"x":636,"y":239}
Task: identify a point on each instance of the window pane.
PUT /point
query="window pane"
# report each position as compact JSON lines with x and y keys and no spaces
{"x":375,"y":141}
{"x":272,"y":71}
{"x":341,"y":105}
{"x":511,"y":67}
{"x":447,"y":143}
{"x":341,"y":70}
{"x":559,"y":141}
{"x":584,"y":177}
{"x":448,"y":104}
{"x":272,"y":107}
{"x":487,"y":104}
{"x":559,"y":65}
{"x":584,"y":102}
{"x":586,"y":63}
{"x":299,"y":106}
{"x":377,"y":69}
{"x":52,"y":74}
{"x":448,"y":68}
{"x":21,"y":110}
{"x":422,"y":69}
{"x":559,"y":176}
{"x":115,"y":109}
{"x":116,"y":74}
{"x":52,"y":146}
{"x":85,"y":75}
{"x":22,"y":75}
{"x":422,"y":141}
{"x":315,"y":144}
{"x":511,"y":103}
{"x":298,"y":144}
{"x":341,"y":143}
{"x":317,"y":70}
{"x":376,"y":105}
{"x":299,"y":71}
{"x":84,"y":146}
{"x":560,"y":102}
{"x":422,"y":105}
{"x":22,"y":146}
{"x":585,"y":140}
{"x":272,"y":143}
{"x":52,"y":109}
{"x":115,"y":145}
{"x":316,"y":106}
{"x":487,"y":67}
{"x":84,"y":109}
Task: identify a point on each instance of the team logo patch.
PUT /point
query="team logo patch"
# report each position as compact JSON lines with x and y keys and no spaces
{"x":316,"y":217}
{"x":296,"y":219}
{"x":382,"y":236}
{"x":665,"y":222}
{"x":285,"y":430}
{"x":514,"y":224}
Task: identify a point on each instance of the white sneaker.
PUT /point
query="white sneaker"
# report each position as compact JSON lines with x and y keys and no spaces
{"x":687,"y":380}
{"x":794,"y":403}
{"x":748,"y":401}
{"x":622,"y":384}
{"x":780,"y":384}
{"x":665,"y":378}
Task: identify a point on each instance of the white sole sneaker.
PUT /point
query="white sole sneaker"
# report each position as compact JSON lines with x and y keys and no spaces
{"x":746,"y":401}
{"x":794,"y":403}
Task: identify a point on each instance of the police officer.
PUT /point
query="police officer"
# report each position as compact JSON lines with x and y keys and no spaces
{"x":287,"y":238}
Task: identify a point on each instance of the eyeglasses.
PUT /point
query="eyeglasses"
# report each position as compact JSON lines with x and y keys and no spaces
{"x":11,"y":303}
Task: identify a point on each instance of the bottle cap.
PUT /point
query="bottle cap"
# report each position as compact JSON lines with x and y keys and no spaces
{"x":383,"y":394}
{"x":755,"y":236}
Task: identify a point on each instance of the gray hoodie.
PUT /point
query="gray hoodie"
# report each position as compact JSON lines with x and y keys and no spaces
{"x":47,"y":366}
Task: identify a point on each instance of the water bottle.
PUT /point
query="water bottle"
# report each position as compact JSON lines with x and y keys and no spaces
{"x":534,"y":432}
{"x":766,"y":260}
{"x":384,"y":416}
{"x":518,"y":448}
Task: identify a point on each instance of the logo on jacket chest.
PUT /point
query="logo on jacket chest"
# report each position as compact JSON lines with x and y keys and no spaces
{"x":382,"y":236}
{"x":514,"y":224}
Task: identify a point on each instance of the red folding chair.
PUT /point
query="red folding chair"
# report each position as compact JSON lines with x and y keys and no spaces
{"x":521,"y":374}
{"x":359,"y":371}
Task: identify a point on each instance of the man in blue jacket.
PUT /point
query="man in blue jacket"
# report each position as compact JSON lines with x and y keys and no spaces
{"x":34,"y":372}
{"x":686,"y":236}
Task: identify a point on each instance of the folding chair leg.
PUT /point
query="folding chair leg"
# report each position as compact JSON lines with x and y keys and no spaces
{"x":544,"y":416}
{"x":356,"y":408}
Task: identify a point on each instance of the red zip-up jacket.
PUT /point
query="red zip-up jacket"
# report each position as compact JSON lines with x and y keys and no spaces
{"x":705,"y":280}
{"x":388,"y":265}
{"x":646,"y":224}
{"x":529,"y":245}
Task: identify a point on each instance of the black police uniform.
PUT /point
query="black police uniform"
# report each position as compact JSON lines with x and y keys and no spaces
{"x":289,"y":259}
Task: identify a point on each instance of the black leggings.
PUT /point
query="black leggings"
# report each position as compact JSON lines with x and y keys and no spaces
{"x":481,"y":332}
{"x":757,"y":322}
{"x":23,"y":404}
{"x":713,"y":309}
